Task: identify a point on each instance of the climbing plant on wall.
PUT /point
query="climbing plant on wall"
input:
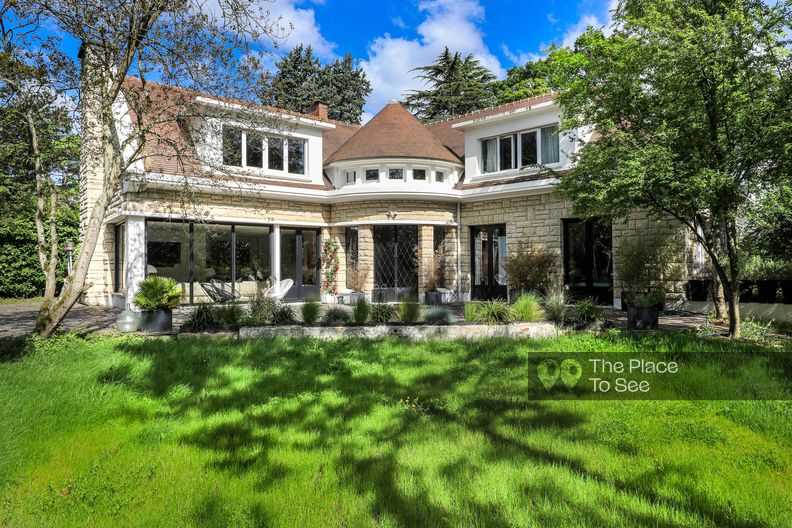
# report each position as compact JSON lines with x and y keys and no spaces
{"x":330,"y":266}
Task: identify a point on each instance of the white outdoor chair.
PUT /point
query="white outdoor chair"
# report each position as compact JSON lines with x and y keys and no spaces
{"x":279,"y":289}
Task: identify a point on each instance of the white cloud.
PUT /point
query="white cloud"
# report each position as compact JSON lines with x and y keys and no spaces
{"x":519,"y":57}
{"x":589,"y":19}
{"x":452,"y":23}
{"x":552,"y":18}
{"x":399,"y":23}
{"x":305,"y":29}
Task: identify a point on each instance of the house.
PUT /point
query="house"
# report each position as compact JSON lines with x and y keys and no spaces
{"x":233,"y":195}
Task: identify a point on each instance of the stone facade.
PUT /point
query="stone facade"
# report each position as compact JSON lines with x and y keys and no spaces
{"x":418,"y":211}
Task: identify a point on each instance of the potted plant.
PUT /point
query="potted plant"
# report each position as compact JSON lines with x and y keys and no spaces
{"x":156,"y":298}
{"x":330,"y":266}
{"x":434,"y":279}
{"x":528,"y":270}
{"x":356,"y":281}
{"x":643,"y":311}
{"x":647,"y":266}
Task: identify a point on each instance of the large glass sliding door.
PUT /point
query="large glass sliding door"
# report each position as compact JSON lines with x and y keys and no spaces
{"x":213,"y":278}
{"x":487,"y":254}
{"x":588,"y":263}
{"x":300,"y":261}
{"x":395,"y":262}
{"x":168,"y":252}
{"x":252,"y":260}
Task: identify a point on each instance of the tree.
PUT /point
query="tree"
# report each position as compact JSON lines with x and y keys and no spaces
{"x":456,"y":85}
{"x":344,"y":87}
{"x":213,"y":48}
{"x":689,"y":104}
{"x":301,"y":81}
{"x":530,"y":80}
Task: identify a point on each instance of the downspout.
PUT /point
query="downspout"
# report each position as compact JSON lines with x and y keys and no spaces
{"x":459,"y":251}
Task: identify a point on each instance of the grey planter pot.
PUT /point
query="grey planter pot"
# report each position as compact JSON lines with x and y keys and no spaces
{"x":156,"y":320}
{"x":642,"y":317}
{"x":433,"y":298}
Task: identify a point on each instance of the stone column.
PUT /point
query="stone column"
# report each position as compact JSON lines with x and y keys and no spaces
{"x":425,"y":257}
{"x":135,"y":243}
{"x":366,"y":254}
{"x":275,"y":256}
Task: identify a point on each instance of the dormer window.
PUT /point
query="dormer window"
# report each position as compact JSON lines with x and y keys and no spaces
{"x":281,"y":153}
{"x":514,"y":151}
{"x":350,"y":176}
{"x":439,"y":176}
{"x":396,"y":174}
{"x":372,"y":175}
{"x":419,"y":174}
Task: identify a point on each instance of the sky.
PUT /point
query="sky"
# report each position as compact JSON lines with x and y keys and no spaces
{"x":391,"y":38}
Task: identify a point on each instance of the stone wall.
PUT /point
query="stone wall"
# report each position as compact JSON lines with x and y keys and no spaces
{"x":535,"y":220}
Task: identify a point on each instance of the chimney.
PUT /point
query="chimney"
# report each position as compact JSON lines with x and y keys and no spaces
{"x":319,"y":110}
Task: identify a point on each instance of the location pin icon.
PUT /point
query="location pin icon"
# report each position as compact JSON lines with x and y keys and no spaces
{"x":548,"y":372}
{"x":570,"y":373}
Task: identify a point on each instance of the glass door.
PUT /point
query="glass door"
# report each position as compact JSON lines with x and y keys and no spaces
{"x":395,"y":262}
{"x":300,"y":261}
{"x":588,"y":259}
{"x":487,"y":253}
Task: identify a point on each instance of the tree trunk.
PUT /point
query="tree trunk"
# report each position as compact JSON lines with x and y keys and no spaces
{"x":718,"y":299}
{"x":52,"y":314}
{"x":734,"y":316}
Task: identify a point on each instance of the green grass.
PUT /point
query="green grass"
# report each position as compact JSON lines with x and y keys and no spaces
{"x":110,"y":431}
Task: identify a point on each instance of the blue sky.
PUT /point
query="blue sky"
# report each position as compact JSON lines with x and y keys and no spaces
{"x":390,"y":38}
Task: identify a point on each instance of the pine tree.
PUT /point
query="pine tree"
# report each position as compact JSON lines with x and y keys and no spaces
{"x":296,"y":85}
{"x":345,"y":89}
{"x":456,"y":85}
{"x":301,"y":81}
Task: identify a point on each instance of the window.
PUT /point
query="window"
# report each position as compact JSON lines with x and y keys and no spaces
{"x":275,"y":153}
{"x":507,"y":152}
{"x":396,"y":174}
{"x":506,"y":145}
{"x":489,"y":155}
{"x":120,"y":258}
{"x":550,"y":144}
{"x":232,"y":147}
{"x":254,"y":153}
{"x":350,"y":176}
{"x":296,"y":156}
{"x":372,"y":174}
{"x":528,"y":149}
{"x":439,"y":176}
{"x":419,"y":174}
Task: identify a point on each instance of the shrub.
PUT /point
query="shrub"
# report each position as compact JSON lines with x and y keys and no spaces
{"x":587,"y":311}
{"x":227,"y":315}
{"x":262,"y":311}
{"x":529,"y":269}
{"x":283,"y":314}
{"x":201,"y":318}
{"x":555,"y":303}
{"x":158,"y":293}
{"x":437,"y":316}
{"x":409,"y":311}
{"x":214,"y":316}
{"x":311,"y":310}
{"x":356,"y":277}
{"x":528,"y":307}
{"x":754,"y":330}
{"x":489,"y":312}
{"x":647,"y":299}
{"x":335,"y":315}
{"x":648,"y":264}
{"x":361,"y":311}
{"x":757,"y":267}
{"x":382,"y":313}
{"x":472,"y":312}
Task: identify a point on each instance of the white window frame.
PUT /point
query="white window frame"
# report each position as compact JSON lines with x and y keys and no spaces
{"x":516,"y":149}
{"x":365,"y":176}
{"x":265,"y":153}
{"x":346,"y":177}
{"x":443,"y":179}
{"x":389,"y":169}
{"x":426,"y":172}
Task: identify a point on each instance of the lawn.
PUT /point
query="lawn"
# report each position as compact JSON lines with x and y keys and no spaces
{"x":111,"y":431}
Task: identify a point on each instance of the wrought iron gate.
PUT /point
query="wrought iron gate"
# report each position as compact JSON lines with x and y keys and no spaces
{"x":395,"y":262}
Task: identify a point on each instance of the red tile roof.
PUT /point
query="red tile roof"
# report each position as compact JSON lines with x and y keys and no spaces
{"x":393,"y":133}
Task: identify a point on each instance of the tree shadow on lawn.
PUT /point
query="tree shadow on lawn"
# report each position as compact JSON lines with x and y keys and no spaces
{"x":258,"y":396}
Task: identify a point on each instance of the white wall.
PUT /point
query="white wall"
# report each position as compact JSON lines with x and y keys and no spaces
{"x":517,"y":122}
{"x":428,"y":187}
